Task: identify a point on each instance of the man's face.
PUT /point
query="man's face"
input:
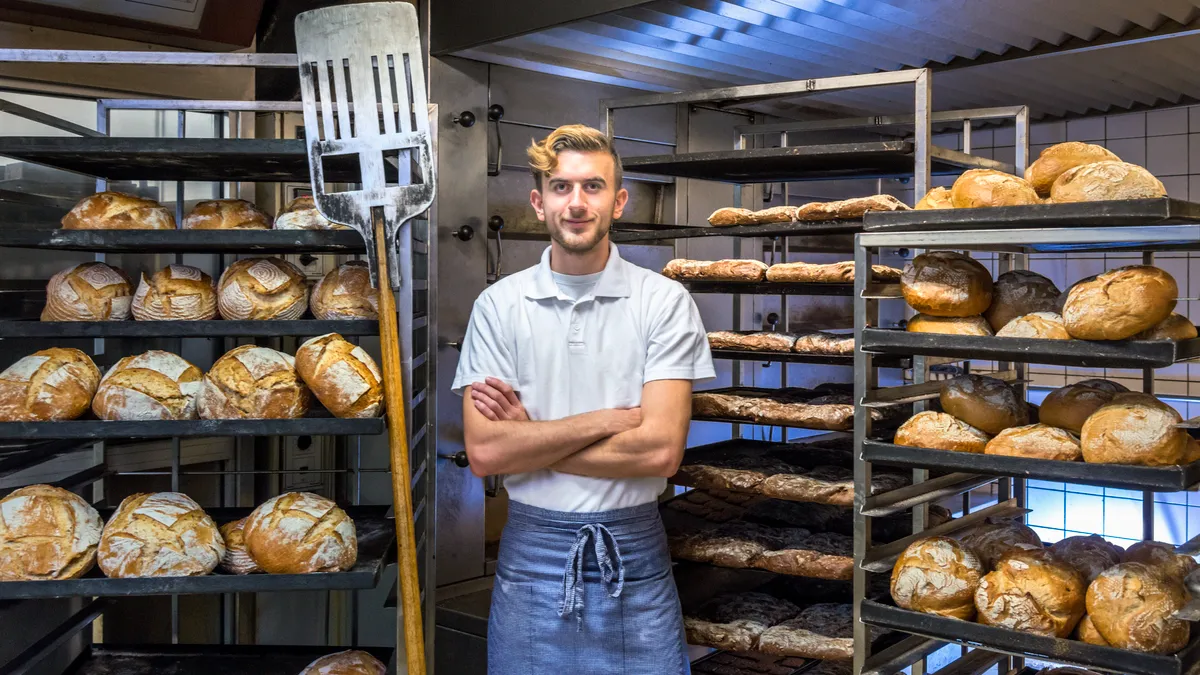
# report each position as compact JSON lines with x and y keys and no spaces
{"x":579,"y":200}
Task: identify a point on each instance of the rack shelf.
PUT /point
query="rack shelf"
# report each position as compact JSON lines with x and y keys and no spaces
{"x":777,"y":288}
{"x":797,"y":229}
{"x":376,"y":536}
{"x":314,"y":425}
{"x":101,"y":659}
{"x":184,"y":241}
{"x":1134,"y":212}
{"x":212,"y":328}
{"x":800,"y":357}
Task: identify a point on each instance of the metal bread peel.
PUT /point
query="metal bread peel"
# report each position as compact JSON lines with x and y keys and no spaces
{"x":363,"y":94}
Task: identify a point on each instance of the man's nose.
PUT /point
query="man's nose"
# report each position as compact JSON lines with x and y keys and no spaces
{"x":577,"y":201}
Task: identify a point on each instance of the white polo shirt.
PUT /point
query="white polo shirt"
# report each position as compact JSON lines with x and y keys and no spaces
{"x":568,"y":357}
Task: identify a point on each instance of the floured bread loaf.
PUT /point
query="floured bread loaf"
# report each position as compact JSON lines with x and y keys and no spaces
{"x":1033,"y":592}
{"x":175,"y":293}
{"x":940,"y":431}
{"x":994,"y":539}
{"x":937,"y":575}
{"x":251,"y":382}
{"x":262,"y":289}
{"x":937,"y":198}
{"x":986,"y":187}
{"x":949,"y":325}
{"x":1104,"y":181}
{"x":154,"y":385}
{"x":1037,"y":441}
{"x":1089,"y":555}
{"x":118,"y":211}
{"x":301,"y":214}
{"x":47,"y":533}
{"x":1060,"y":158}
{"x":731,"y":216}
{"x":300,"y":533}
{"x":1174,"y":327}
{"x":163,"y":534}
{"x":343,"y":376}
{"x":716,"y":270}
{"x":1134,"y":428}
{"x":226,"y":214}
{"x":849,"y":209}
{"x":1162,"y":556}
{"x":346,"y":293}
{"x":88,"y":292}
{"x":1119,"y":303}
{"x":50,"y":385}
{"x":1039,"y":325}
{"x":349,"y":662}
{"x":237,"y":559}
{"x":1131,"y":606}
{"x":1086,"y":632}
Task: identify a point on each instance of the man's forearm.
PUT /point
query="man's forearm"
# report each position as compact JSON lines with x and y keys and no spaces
{"x":507,"y":447}
{"x":636,"y":453}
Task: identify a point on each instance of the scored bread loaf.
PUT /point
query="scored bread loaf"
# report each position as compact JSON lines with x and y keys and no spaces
{"x":301,"y":214}
{"x":1086,"y":632}
{"x":226,"y":214}
{"x":1036,"y":441}
{"x":1174,"y":327}
{"x":718,"y":270}
{"x":251,"y":382}
{"x":1131,"y":606}
{"x":755,"y":342}
{"x":1134,"y":428}
{"x":1069,"y":407}
{"x":947,"y":284}
{"x":949,"y":325}
{"x":937,"y":430}
{"x":775,"y":214}
{"x":349,"y":662}
{"x":1019,"y":292}
{"x":175,"y":293}
{"x":996,"y":538}
{"x":1104,"y":181}
{"x":937,"y":575}
{"x":346,"y":293}
{"x":343,"y":376}
{"x":153,"y":385}
{"x":1161,"y":556}
{"x":262,"y":289}
{"x":841,"y":272}
{"x":1060,"y":158}
{"x":937,"y":198}
{"x":49,"y":385}
{"x":986,"y":403}
{"x":849,"y":209}
{"x":1033,"y":592}
{"x":162,"y":534}
{"x":1039,"y":325}
{"x":730,"y":216}
{"x":1120,"y":303}
{"x":986,"y":187}
{"x":47,"y":532}
{"x":237,"y":559}
{"x":118,"y":211}
{"x":1089,"y":555}
{"x":301,"y":533}
{"x":89,"y":291}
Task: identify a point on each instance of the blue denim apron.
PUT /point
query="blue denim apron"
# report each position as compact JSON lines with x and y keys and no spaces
{"x":584,"y":594}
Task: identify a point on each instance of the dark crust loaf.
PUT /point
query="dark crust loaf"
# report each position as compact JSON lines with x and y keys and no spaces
{"x":823,"y":555}
{"x":849,"y":209}
{"x":752,"y":663}
{"x":753,"y":342}
{"x":734,"y":621}
{"x":831,"y":273}
{"x":716,"y":270}
{"x":789,"y":406}
{"x":825,"y":485}
{"x":831,"y":344}
{"x":791,"y":551}
{"x":775,"y":214}
{"x":731,"y":216}
{"x":736,"y":544}
{"x":740,"y":473}
{"x":821,"y":631}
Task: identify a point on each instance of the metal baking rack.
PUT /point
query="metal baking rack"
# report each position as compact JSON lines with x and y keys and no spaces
{"x":226,"y":162}
{"x":1126,"y":213}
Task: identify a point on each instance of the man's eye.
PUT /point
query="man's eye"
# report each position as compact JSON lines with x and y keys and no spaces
{"x":593,"y":187}
{"x":560,"y":188}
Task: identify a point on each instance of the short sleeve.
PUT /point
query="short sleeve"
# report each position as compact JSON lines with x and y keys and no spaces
{"x":678,"y":344}
{"x":485,"y":349}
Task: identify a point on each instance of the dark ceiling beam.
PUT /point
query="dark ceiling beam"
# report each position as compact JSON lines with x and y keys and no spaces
{"x":462,"y":24}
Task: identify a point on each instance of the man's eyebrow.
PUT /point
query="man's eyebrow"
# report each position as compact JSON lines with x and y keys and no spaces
{"x":593,"y":179}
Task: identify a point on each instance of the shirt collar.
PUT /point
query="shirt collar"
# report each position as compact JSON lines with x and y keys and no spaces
{"x":613,"y":283}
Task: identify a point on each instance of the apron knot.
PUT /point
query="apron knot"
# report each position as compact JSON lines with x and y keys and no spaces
{"x":572,"y":600}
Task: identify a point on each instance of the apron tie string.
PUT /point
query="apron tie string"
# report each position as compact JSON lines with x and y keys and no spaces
{"x":572,"y":600}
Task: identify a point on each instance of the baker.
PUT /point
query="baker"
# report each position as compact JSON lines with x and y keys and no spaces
{"x":576,"y":376}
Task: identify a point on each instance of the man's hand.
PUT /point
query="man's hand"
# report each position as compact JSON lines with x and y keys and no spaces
{"x":497,"y":401}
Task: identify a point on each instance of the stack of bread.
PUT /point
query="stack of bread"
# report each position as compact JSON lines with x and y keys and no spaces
{"x":1000,"y":574}
{"x":120,"y":211}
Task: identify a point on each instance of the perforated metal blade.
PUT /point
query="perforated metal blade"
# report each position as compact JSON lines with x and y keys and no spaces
{"x":361,"y":81}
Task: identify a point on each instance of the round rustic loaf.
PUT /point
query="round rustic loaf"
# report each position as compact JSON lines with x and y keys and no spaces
{"x":161,"y":534}
{"x":1033,"y":592}
{"x":154,"y":385}
{"x":118,"y":211}
{"x":301,"y":214}
{"x":1120,"y":303}
{"x":1174,"y":327}
{"x":237,"y":559}
{"x":1037,"y":441}
{"x":986,"y":403}
{"x":49,"y":385}
{"x":1104,"y":181}
{"x":1069,"y":407}
{"x":343,"y":376}
{"x":349,"y":662}
{"x":1089,"y":555}
{"x":949,"y":325}
{"x":937,"y":430}
{"x":1161,"y":556}
{"x":1134,"y":428}
{"x":175,"y":293}
{"x":986,"y":187}
{"x":88,"y":292}
{"x":937,"y":198}
{"x":1018,"y":293}
{"x":994,"y":539}
{"x":1057,"y":159}
{"x":1086,"y":632}
{"x":226,"y":214}
{"x":261,"y":289}
{"x":47,"y":532}
{"x":1039,"y":325}
{"x":299,"y":533}
{"x":937,"y":575}
{"x":251,"y":382}
{"x":346,"y":293}
{"x":946,"y":283}
{"x":1131,"y":606}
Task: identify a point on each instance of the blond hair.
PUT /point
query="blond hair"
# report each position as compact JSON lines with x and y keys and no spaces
{"x":543,"y":155}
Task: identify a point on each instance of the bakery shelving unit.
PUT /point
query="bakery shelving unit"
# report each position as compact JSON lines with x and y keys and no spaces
{"x":1145,"y":226}
{"x":219,"y":160}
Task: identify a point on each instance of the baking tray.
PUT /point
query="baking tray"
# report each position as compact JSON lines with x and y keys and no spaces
{"x":1085,"y":353}
{"x":770,"y":287}
{"x":184,"y":241}
{"x":1016,"y":643}
{"x":1124,"y":476}
{"x":313,"y":425}
{"x":750,"y":663}
{"x":894,"y":416}
{"x":798,"y":229}
{"x":376,"y":538}
{"x":1133,"y":212}
{"x":800,"y":357}
{"x":101,"y":659}
{"x":211,"y":328}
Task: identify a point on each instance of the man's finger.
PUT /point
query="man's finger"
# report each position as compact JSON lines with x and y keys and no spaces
{"x":490,"y":402}
{"x":505,"y":389}
{"x":495,"y":395}
{"x":486,"y":411}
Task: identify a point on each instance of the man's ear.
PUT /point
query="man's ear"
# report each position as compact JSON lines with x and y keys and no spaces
{"x":535,"y":199}
{"x":619,"y":206}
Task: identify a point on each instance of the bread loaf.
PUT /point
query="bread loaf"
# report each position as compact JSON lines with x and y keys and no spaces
{"x":1039,"y":325}
{"x":1033,"y":592}
{"x":1131,"y":606}
{"x":47,"y":533}
{"x":164,"y":534}
{"x":946,"y":283}
{"x":226,"y":214}
{"x":88,"y":292}
{"x":755,"y":342}
{"x":832,"y":273}
{"x":349,"y":662}
{"x":937,"y":575}
{"x":301,"y":533}
{"x":937,"y":430}
{"x":1174,"y":327}
{"x":986,"y":187}
{"x":1086,"y":632}
{"x":1104,"y":181}
{"x":346,"y":293}
{"x":1036,"y":441}
{"x":775,"y":214}
{"x":175,"y":293}
{"x":118,"y":211}
{"x":848,"y":209}
{"x":1069,"y":407}
{"x":1019,"y":292}
{"x":1161,"y":556}
{"x":1089,"y":555}
{"x":949,"y":325}
{"x":48,"y":386}
{"x":996,"y":538}
{"x":1057,"y":159}
{"x":261,"y":289}
{"x":937,"y":198}
{"x":301,"y":214}
{"x":1134,"y":429}
{"x":985,"y":403}
{"x":730,"y":216}
{"x":343,"y":376}
{"x":1120,"y":303}
{"x":251,"y":382}
{"x":719,"y":270}
{"x":154,"y":385}
{"x":236,"y":559}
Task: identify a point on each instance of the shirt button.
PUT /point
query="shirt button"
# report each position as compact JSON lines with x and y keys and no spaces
{"x":575,"y":328}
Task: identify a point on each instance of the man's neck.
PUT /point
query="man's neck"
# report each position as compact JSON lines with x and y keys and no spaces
{"x":589,"y":262}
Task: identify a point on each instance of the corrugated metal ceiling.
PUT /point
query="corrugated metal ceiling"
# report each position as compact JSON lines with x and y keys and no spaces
{"x":1061,"y":57}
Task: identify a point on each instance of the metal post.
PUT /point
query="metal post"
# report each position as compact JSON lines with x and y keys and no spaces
{"x":866,"y":314}
{"x":1022,"y":133}
{"x":922,"y":134}
{"x":1148,"y":387}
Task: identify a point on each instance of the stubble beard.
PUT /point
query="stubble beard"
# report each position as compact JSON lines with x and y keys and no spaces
{"x":581,"y":243}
